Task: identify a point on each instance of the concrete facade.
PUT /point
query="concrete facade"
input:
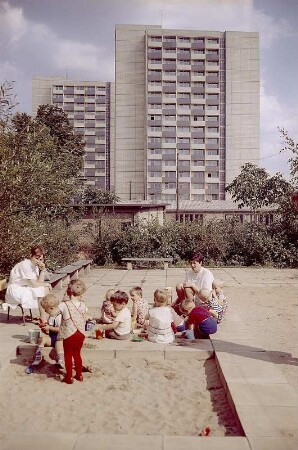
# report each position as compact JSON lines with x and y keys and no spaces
{"x":179,"y":122}
{"x":90,"y":110}
{"x":187,"y":111}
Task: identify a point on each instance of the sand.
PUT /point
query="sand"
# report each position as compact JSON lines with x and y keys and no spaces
{"x":119,"y":397}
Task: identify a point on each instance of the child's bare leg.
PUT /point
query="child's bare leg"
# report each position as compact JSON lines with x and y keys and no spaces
{"x":60,"y":353}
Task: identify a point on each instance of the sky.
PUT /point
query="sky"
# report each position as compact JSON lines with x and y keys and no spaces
{"x":75,"y":38}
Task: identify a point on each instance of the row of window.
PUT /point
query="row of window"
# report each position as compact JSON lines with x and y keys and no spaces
{"x":88,"y":89}
{"x":183,"y":186}
{"x":172,"y":197}
{"x":183,"y":152}
{"x":183,"y":62}
{"x":173,"y":106}
{"x":158,"y":129}
{"x":185,"y":39}
{"x":184,"y":140}
{"x":184,"y":118}
{"x":186,"y":51}
{"x":184,"y":71}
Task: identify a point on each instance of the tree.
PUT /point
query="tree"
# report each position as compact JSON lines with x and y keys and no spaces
{"x":255,"y":188}
{"x":41,"y":160}
{"x":292,"y":146}
{"x":91,"y":195}
{"x":7,"y":102}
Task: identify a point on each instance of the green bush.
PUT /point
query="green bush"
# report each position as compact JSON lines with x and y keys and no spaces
{"x":222,"y":242}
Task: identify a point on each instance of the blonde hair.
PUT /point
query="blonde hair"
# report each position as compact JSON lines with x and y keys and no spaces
{"x":187,"y":303}
{"x":76,"y":288}
{"x":218,"y":283}
{"x":204,"y":294}
{"x":109,"y":294}
{"x":136,"y":289}
{"x":49,"y":301}
{"x":161,"y":296}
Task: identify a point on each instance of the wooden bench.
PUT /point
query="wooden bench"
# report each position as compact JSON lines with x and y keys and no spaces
{"x":165,"y":261}
{"x":63,"y":275}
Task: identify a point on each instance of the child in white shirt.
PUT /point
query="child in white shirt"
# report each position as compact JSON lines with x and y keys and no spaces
{"x":120,"y":328}
{"x":161,"y":317}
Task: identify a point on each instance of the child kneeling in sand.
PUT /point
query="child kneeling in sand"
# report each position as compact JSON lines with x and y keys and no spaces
{"x":120,"y":328}
{"x":50,"y":331}
{"x":200,"y":320}
{"x":161,"y":317}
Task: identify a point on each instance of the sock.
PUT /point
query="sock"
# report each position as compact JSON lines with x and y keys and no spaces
{"x":61,"y":358}
{"x":38,"y":356}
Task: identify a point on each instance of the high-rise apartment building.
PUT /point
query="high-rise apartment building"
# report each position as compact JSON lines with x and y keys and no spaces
{"x":89,"y":107}
{"x":186,"y":111}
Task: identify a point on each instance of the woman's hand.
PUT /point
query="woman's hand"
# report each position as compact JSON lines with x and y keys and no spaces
{"x":41,"y":265}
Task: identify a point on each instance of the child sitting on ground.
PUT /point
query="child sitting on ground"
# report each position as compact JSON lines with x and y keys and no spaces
{"x":161,"y":317}
{"x":108,"y":312}
{"x":50,"y":331}
{"x":201,"y":322}
{"x":140,"y":307}
{"x":219,"y":296}
{"x":206,"y":298}
{"x":120,"y":328}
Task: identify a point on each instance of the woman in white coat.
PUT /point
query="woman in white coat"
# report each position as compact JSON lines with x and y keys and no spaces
{"x":26,"y":285}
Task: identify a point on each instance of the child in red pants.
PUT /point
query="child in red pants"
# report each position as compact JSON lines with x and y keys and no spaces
{"x":72,"y":328}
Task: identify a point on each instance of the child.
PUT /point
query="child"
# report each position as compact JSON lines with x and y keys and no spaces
{"x":140,"y":306}
{"x":108,"y":312}
{"x":161,"y":317}
{"x":120,"y":328}
{"x":72,"y":328}
{"x":200,"y":320}
{"x":50,"y":331}
{"x":206,"y":298}
{"x":218,"y":294}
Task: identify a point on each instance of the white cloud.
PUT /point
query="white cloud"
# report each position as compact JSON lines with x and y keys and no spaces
{"x":80,"y":58}
{"x":274,"y":115}
{"x":12,"y":23}
{"x":223,"y":15}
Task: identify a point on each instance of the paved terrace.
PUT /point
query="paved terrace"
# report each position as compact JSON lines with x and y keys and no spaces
{"x":258,"y":392}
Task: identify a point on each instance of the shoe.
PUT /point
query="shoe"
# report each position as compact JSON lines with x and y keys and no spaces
{"x":80,"y":378}
{"x":67,"y":380}
{"x":38,"y":359}
{"x":60,"y":364}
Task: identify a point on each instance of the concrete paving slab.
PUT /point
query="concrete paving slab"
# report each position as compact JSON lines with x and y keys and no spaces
{"x":263,"y":394}
{"x":234,"y":345}
{"x":272,"y":443}
{"x":34,"y":441}
{"x":269,"y":421}
{"x":96,"y":441}
{"x":203,"y":443}
{"x":250,"y":371}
